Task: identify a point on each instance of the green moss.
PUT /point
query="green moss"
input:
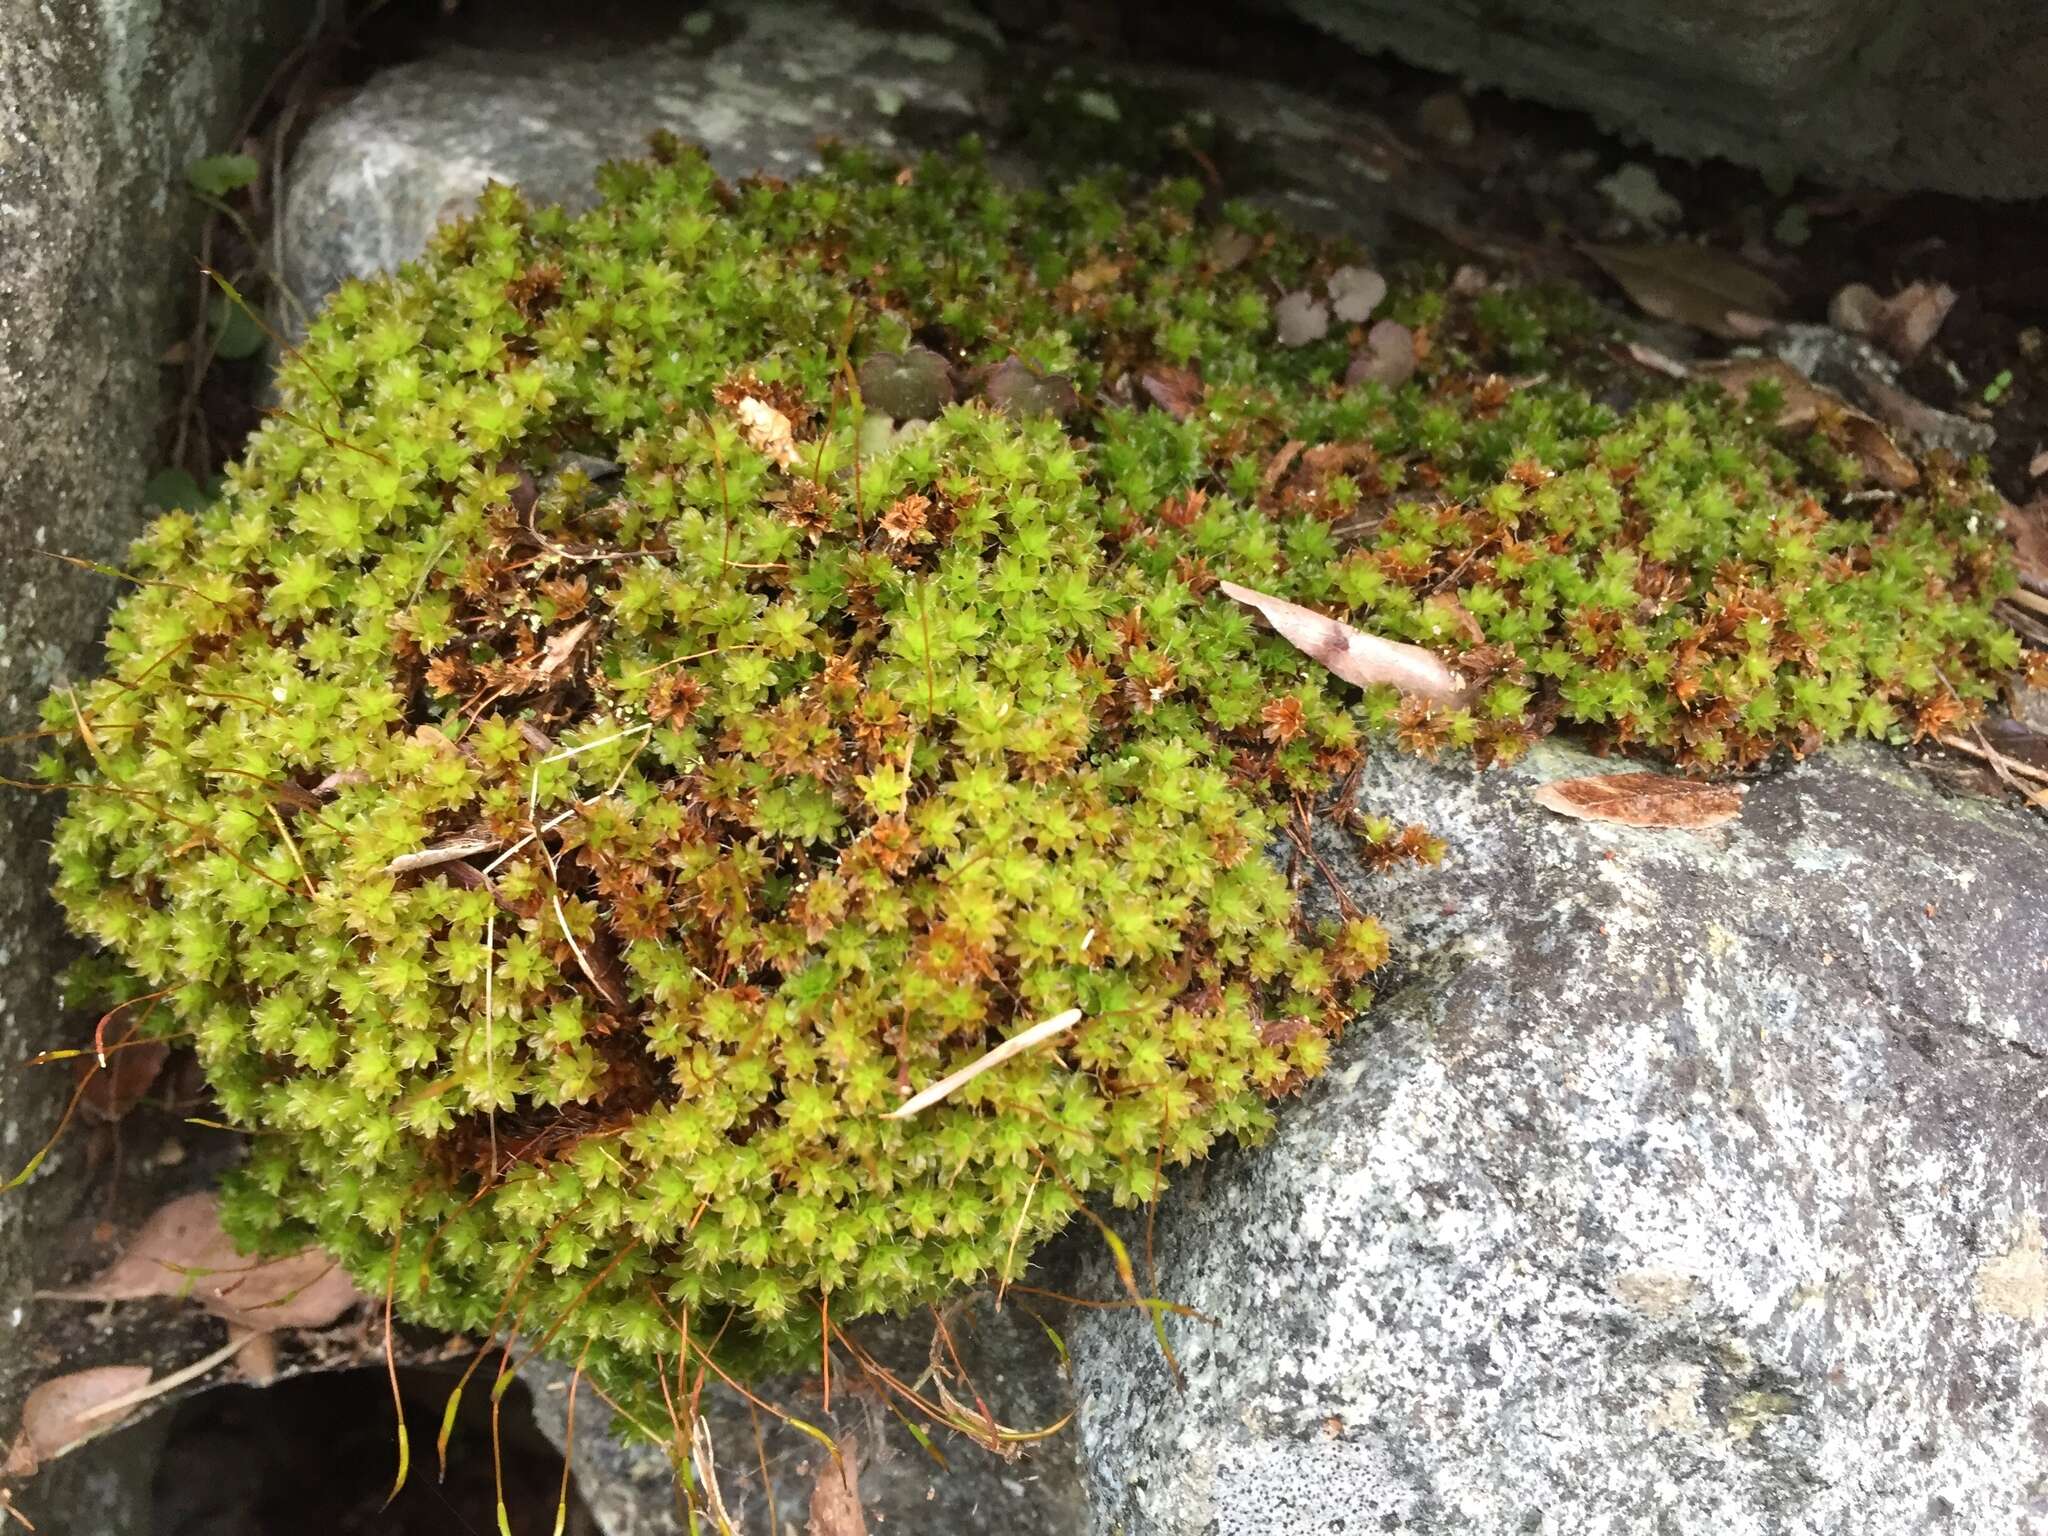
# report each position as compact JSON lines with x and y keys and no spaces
{"x":805,"y":770}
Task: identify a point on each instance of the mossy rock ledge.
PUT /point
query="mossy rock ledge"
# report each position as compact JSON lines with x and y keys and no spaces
{"x":672,"y":679}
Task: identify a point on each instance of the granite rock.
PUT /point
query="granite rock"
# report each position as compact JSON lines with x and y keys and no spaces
{"x":101,"y":108}
{"x":1680,"y":1182}
{"x":1913,"y":95}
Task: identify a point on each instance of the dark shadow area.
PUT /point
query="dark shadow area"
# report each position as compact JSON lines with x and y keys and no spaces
{"x":314,"y":1456}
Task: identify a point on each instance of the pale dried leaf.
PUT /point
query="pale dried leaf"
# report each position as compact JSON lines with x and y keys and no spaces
{"x":1694,"y":285}
{"x":59,"y":1413}
{"x":1806,"y":404}
{"x":1355,"y":292}
{"x":767,"y":430}
{"x":182,"y":1251}
{"x":560,"y":650}
{"x":1358,"y":658}
{"x":2037,"y":466}
{"x":1657,"y":362}
{"x":835,"y":1496}
{"x":1642,"y":800}
{"x":1300,"y":318}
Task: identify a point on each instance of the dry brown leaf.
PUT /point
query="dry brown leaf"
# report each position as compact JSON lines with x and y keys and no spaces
{"x":1807,"y":404}
{"x":835,"y":1497}
{"x":1176,"y":391}
{"x":182,"y":1251}
{"x":767,"y":429}
{"x":1360,"y":659}
{"x":1902,"y":324}
{"x":2037,"y":466}
{"x":2028,"y":526}
{"x":59,"y":1413}
{"x":130,"y":1073}
{"x":1642,"y":800}
{"x":1695,"y":285}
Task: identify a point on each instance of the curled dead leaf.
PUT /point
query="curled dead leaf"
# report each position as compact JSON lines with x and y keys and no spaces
{"x":1642,"y":800}
{"x":767,"y":430}
{"x":1806,"y":404}
{"x":835,"y":1496}
{"x":1360,"y":659}
{"x":182,"y":1251}
{"x":1695,"y":285}
{"x":1903,"y":324}
{"x":64,"y":1411}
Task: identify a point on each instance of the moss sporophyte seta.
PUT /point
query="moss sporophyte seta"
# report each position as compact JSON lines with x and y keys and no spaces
{"x":672,"y":680}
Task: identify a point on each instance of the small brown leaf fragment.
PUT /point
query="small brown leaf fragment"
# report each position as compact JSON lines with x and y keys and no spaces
{"x":2037,"y":466}
{"x":1642,"y":800}
{"x":1358,"y":658}
{"x":835,"y":1496}
{"x":1176,"y":391}
{"x":1657,"y":362}
{"x":129,"y":1073}
{"x":1694,"y":285}
{"x":1806,"y":404}
{"x":2028,"y":526}
{"x":59,"y":1413}
{"x":1388,"y":356}
{"x":560,"y":650}
{"x":1300,"y":318}
{"x":1903,"y":324}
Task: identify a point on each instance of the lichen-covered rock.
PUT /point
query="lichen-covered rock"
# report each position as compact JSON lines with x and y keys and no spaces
{"x":101,"y":108}
{"x":1852,"y":90}
{"x":1695,"y":1182}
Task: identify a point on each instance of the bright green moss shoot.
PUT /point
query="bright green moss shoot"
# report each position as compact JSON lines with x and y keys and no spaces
{"x":848,"y":768}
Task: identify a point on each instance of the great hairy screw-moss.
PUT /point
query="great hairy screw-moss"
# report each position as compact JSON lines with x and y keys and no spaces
{"x":792,"y":774}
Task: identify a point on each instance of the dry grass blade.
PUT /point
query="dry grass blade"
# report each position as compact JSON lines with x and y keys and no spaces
{"x":1358,"y":658}
{"x":1013,"y":1046}
{"x":1642,"y":800}
{"x":427,"y":858}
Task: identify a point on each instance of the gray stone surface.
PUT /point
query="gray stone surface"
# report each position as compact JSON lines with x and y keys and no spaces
{"x":631,"y":1488}
{"x":1892,"y":93}
{"x":101,"y":108}
{"x":1683,"y":1182}
{"x":758,"y":88}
